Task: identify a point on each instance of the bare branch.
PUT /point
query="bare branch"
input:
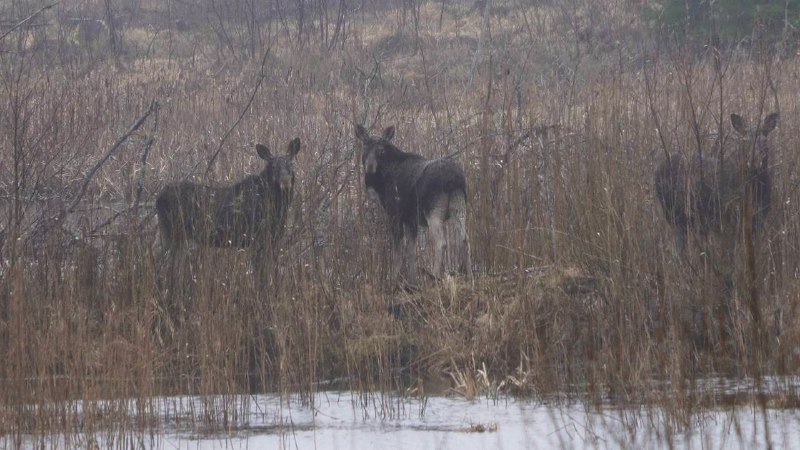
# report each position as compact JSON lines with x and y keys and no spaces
{"x":27,"y":19}
{"x":261,"y":77}
{"x":153,"y":107}
{"x":145,"y":151}
{"x":650,"y":92}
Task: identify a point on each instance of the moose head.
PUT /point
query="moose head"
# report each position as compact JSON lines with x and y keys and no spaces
{"x":710,"y":195}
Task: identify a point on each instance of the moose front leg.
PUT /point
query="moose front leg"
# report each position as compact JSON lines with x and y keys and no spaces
{"x":397,"y":254}
{"x":261,"y":256}
{"x":404,"y":263}
{"x":410,"y":256}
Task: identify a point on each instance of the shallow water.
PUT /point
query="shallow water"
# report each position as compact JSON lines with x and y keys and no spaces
{"x":349,"y":420}
{"x":344,"y":421}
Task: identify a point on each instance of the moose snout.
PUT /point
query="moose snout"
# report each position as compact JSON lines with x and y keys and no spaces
{"x":285,"y":182}
{"x":370,"y":164}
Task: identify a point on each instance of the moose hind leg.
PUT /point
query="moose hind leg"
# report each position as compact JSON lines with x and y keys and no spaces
{"x":435,"y":218}
{"x":436,"y":228}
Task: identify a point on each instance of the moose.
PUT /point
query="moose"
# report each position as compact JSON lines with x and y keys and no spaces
{"x":249,"y":213}
{"x":710,"y":195}
{"x":415,"y":192}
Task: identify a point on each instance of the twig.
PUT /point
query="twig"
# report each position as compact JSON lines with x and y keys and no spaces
{"x":109,"y":221}
{"x":120,"y":141}
{"x":43,"y":8}
{"x":261,"y":77}
{"x":454,"y":154}
{"x":510,"y":150}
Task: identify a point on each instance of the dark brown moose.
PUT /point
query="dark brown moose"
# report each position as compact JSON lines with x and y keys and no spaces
{"x":709,"y":195}
{"x":250,"y":212}
{"x":415,"y":192}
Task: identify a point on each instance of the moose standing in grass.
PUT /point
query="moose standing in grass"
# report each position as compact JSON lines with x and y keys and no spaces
{"x":249,"y":213}
{"x":710,"y":195}
{"x":728,"y":197}
{"x":415,"y":192}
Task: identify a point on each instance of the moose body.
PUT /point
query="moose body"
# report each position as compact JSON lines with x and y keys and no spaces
{"x":416,"y":193}
{"x":250,"y":212}
{"x":710,"y":195}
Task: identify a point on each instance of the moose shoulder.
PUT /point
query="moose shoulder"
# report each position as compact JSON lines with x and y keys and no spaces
{"x":709,"y":195}
{"x":248,"y":212}
{"x":415,"y":192}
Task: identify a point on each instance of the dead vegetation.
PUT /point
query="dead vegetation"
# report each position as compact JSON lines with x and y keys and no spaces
{"x":579,"y":288}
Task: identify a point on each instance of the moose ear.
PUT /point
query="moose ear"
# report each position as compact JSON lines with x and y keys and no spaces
{"x":361,"y":132}
{"x":263,"y":152}
{"x":388,"y":133}
{"x":739,"y":124}
{"x":769,"y":123}
{"x":294,"y":147}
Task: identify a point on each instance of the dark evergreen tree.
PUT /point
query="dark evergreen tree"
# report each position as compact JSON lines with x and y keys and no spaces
{"x":728,"y":22}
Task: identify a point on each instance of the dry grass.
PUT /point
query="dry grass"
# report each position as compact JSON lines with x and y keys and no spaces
{"x":579,"y":287}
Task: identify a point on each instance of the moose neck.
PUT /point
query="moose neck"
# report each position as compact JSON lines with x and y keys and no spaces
{"x":393,"y":155}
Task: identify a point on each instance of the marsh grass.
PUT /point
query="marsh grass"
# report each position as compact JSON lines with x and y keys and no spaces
{"x":579,"y":287}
